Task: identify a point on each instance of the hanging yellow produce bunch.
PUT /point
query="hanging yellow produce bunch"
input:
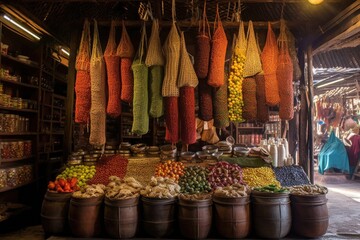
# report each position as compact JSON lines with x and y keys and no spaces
{"x":236,"y":77}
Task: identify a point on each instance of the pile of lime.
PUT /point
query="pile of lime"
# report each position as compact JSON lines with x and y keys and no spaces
{"x":81,"y":172}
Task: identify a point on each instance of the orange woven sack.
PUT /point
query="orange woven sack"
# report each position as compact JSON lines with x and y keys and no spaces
{"x":218,"y":53}
{"x":125,"y":51}
{"x":249,"y":96}
{"x":187,"y":75}
{"x":202,"y":47}
{"x":113,"y":75}
{"x":269,"y":63}
{"x":98,"y":98}
{"x":262,"y":108}
{"x":284,"y":74}
{"x":82,"y":83}
{"x":252,"y":62}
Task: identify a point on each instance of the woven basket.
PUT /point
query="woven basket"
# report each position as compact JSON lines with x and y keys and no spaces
{"x":187,"y":75}
{"x":220,"y":106}
{"x":218,"y":54}
{"x":284,"y":74}
{"x":253,"y":61}
{"x":205,"y":101}
{"x":203,"y":47}
{"x":249,"y":95}
{"x":172,"y":119}
{"x":262,"y":108}
{"x":125,"y":48}
{"x":141,"y":99}
{"x":154,"y":54}
{"x":269,"y":63}
{"x":187,"y":116}
{"x":82,"y":82}
{"x":127,"y":80}
{"x":97,"y":74}
{"x":113,"y":75}
{"x":156,"y":75}
{"x":172,"y":57}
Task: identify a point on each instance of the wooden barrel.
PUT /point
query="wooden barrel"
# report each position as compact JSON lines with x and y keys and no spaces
{"x":232,"y":216}
{"x":121,"y":217}
{"x":310,"y":215}
{"x":54,"y":212}
{"x":85,"y":216}
{"x":158,"y":216}
{"x":195,"y":217}
{"x":271,"y":214}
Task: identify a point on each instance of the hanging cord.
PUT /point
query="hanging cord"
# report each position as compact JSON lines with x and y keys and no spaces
{"x":173,"y":11}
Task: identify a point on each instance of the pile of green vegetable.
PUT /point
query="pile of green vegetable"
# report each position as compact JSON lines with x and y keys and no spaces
{"x":271,"y":189}
{"x":194,"y":180}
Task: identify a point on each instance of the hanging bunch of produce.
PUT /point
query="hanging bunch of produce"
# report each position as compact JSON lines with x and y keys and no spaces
{"x":262,"y":109}
{"x":202,"y":54}
{"x":112,"y":61}
{"x":98,"y":101}
{"x":284,"y":75}
{"x":269,"y":58}
{"x":187,"y":81}
{"x":140,"y":102}
{"x":170,"y":90}
{"x":218,"y":53}
{"x":251,"y":68}
{"x":155,"y":61}
{"x":236,"y":76}
{"x":125,"y":51}
{"x":82,"y":83}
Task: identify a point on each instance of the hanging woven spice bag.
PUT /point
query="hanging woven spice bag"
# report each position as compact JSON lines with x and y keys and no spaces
{"x":187,"y":81}
{"x":170,"y":90}
{"x":140,"y":102}
{"x":220,"y":105}
{"x":98,"y":101}
{"x":284,"y":75}
{"x":269,"y":57}
{"x":82,"y":82}
{"x":236,"y":77}
{"x":205,"y":100}
{"x":218,"y":53}
{"x":293,"y":55}
{"x":112,"y":62}
{"x":125,"y":51}
{"x":253,"y":61}
{"x":262,"y":108}
{"x":155,"y":61}
{"x":249,"y":95}
{"x":202,"y":47}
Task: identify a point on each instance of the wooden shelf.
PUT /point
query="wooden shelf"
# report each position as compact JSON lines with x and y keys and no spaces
{"x":18,"y":133}
{"x":58,"y":133}
{"x":5,"y":189}
{"x":59,"y":97}
{"x":250,"y":127}
{"x":29,"y":64}
{"x":135,"y":137}
{"x":19,"y":83}
{"x":18,"y":109}
{"x":15,"y":159}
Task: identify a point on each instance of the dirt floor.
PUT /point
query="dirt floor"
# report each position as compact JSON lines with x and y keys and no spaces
{"x":343,"y":205}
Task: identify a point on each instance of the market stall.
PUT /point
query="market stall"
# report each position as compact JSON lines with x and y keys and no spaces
{"x":165,"y":112}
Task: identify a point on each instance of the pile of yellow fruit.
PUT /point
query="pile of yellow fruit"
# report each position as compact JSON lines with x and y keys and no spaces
{"x":260,"y":177}
{"x":235,"y":97}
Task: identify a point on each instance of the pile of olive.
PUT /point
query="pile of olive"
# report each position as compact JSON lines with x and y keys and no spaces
{"x":194,"y":180}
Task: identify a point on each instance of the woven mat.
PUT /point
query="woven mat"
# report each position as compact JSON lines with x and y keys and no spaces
{"x":142,"y":168}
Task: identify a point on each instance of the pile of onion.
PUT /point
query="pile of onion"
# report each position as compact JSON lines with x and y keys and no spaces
{"x":224,"y":174}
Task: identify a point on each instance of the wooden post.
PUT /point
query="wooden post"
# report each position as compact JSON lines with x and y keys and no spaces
{"x":303,"y":121}
{"x":310,"y":83}
{"x":75,"y":38}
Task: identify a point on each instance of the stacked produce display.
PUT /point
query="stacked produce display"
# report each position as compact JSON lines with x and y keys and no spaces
{"x":176,"y":191}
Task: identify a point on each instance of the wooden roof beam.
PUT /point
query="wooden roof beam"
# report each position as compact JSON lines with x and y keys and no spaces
{"x":220,"y":1}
